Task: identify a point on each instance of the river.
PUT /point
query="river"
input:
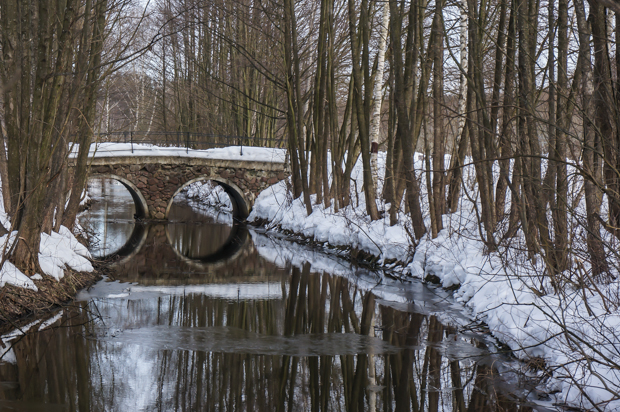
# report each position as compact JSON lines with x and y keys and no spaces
{"x":206,"y":314}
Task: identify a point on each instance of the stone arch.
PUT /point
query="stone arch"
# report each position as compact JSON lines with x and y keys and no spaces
{"x":142,"y":208}
{"x":241,"y":206}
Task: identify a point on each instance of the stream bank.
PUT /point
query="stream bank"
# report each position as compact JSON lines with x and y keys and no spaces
{"x":18,"y":306}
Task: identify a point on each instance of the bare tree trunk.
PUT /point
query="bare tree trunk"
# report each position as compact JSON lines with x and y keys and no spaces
{"x":408,"y":130}
{"x":362,"y":105}
{"x":43,"y":106}
{"x":591,"y":149}
{"x":295,"y":105}
{"x":439,"y":187}
{"x":480,"y":136}
{"x":606,"y":110}
{"x":460,"y":146}
{"x":4,"y":173}
{"x":505,"y":137}
{"x":378,"y":94}
{"x":87,"y":118}
{"x":560,"y":211}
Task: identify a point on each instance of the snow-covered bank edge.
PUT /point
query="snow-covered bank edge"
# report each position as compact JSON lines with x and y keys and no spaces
{"x":349,"y":229}
{"x":501,"y":289}
{"x":67,"y":269}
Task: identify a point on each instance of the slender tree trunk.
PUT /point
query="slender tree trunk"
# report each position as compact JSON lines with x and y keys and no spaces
{"x":87,"y":118}
{"x":378,"y":93}
{"x":361,"y":104}
{"x":461,"y":142}
{"x":439,"y":187}
{"x":505,"y":137}
{"x":408,"y":129}
{"x":295,"y":105}
{"x":591,"y":149}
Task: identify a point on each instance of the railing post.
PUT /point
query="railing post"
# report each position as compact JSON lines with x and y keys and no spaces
{"x":131,"y":136}
{"x":187,"y":146}
{"x":241,"y":146}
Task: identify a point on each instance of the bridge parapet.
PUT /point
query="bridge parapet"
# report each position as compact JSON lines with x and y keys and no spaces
{"x":155,"y":180}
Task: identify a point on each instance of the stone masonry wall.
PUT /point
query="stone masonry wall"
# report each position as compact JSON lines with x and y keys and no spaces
{"x":159,"y":182}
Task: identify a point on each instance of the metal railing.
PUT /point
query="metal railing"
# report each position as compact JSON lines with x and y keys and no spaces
{"x":187,"y":140}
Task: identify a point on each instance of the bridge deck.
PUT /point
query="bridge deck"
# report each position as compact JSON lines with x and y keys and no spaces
{"x":231,"y":153}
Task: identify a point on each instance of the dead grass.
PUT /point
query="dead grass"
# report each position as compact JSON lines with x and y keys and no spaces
{"x":17,"y":305}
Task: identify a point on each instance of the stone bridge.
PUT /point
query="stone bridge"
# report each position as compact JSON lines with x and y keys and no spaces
{"x":154,"y":180}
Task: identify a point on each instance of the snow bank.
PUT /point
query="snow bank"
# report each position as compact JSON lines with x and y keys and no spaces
{"x":61,"y":250}
{"x":57,"y":252}
{"x":349,"y":227}
{"x":392,"y":291}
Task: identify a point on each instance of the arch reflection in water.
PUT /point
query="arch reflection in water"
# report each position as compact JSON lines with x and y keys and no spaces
{"x":207,"y":244}
{"x":203,"y":235}
{"x":110,"y":218}
{"x":322,"y":344}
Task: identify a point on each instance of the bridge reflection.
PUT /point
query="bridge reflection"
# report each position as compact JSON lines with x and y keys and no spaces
{"x":180,"y":251}
{"x":189,"y":241}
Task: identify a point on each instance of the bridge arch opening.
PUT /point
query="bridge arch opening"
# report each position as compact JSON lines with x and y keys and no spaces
{"x":111,"y":218}
{"x":240,"y":205}
{"x":142,"y":208}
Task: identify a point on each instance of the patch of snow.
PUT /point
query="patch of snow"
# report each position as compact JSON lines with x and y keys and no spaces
{"x":9,"y":274}
{"x":13,"y":276}
{"x":61,"y":250}
{"x":51,"y":320}
{"x":208,"y":194}
{"x":8,"y":355}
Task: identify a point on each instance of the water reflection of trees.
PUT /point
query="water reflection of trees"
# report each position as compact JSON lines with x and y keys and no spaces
{"x":424,"y":373}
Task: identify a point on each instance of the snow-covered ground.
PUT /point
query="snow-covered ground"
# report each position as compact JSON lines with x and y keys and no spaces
{"x":575,"y":332}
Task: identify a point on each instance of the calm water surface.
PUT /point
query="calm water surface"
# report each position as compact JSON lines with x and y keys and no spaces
{"x":202,"y":314}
